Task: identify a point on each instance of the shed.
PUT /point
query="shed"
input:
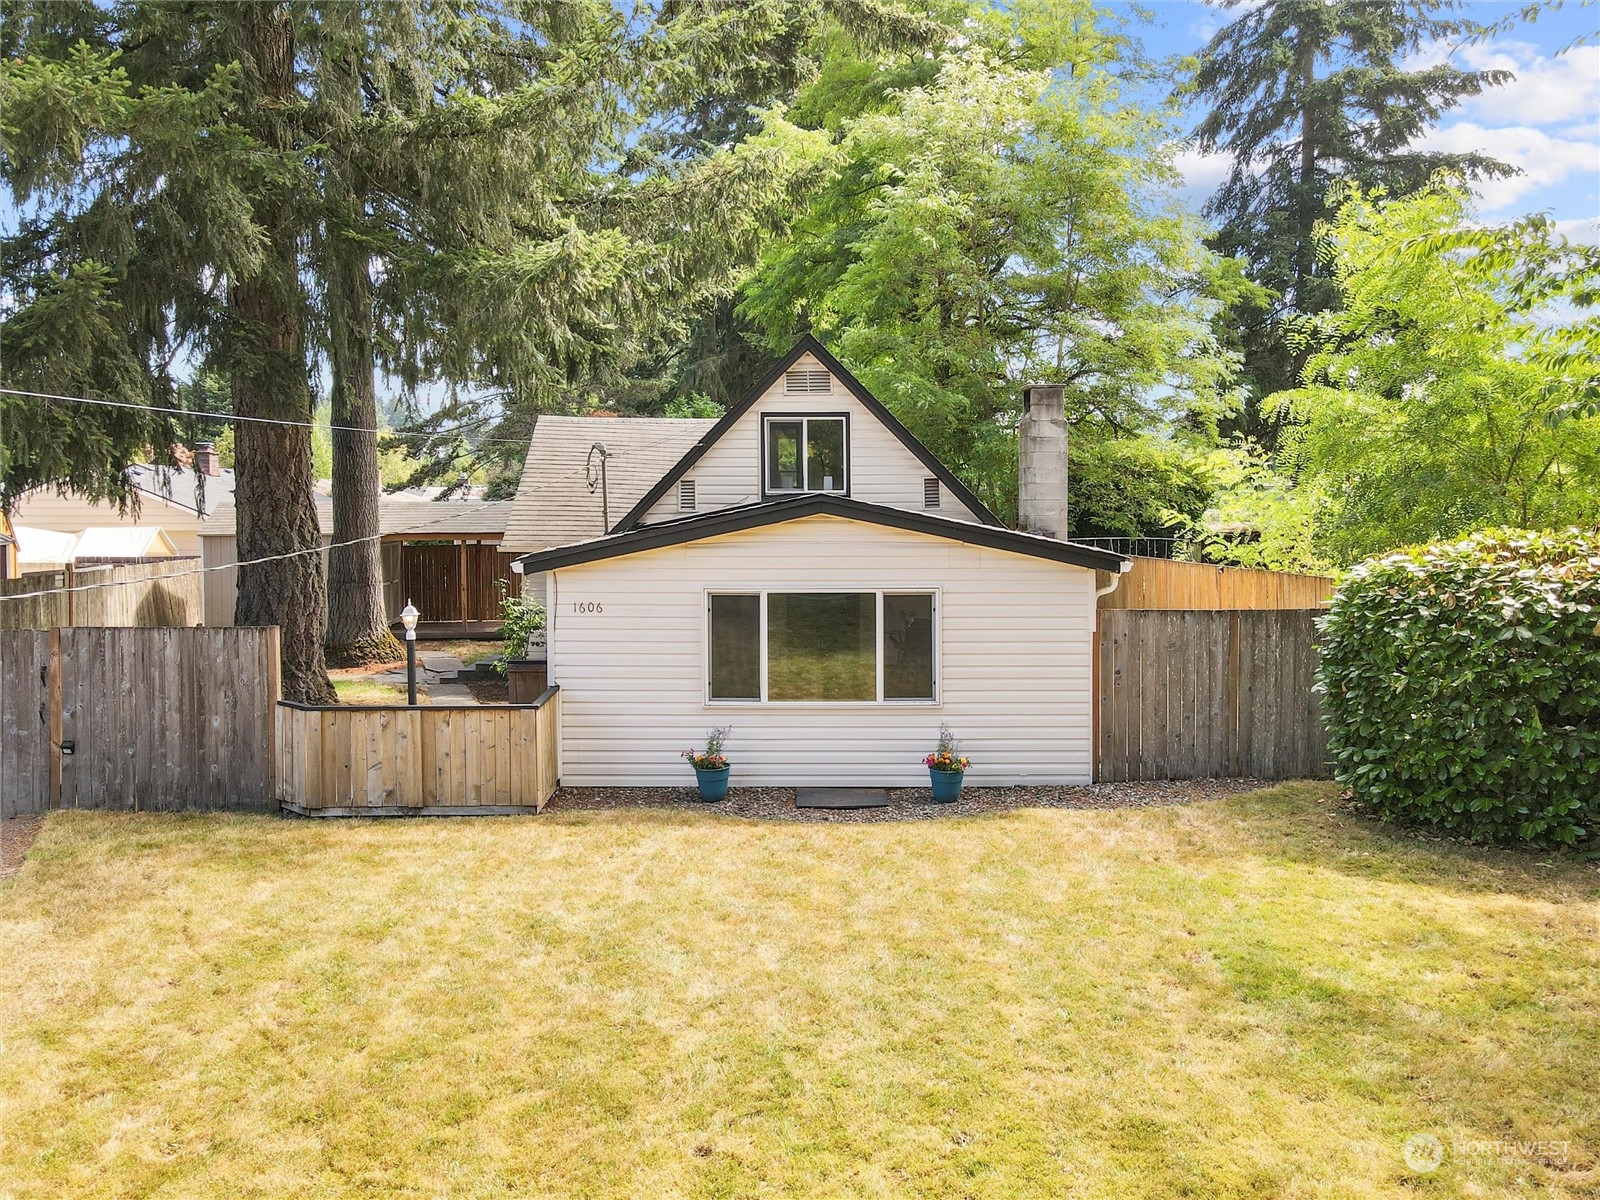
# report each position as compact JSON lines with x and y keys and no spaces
{"x":443,"y":555}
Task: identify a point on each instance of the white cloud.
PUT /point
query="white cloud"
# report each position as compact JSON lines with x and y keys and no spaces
{"x":1584,"y":230}
{"x":1202,"y":173}
{"x":1546,"y":91}
{"x":1546,"y":160}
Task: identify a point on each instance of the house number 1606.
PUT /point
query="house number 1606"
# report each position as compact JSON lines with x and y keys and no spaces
{"x":587,"y":606}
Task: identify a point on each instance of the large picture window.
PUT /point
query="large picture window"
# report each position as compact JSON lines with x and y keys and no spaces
{"x":822,"y":646}
{"x":806,"y":454}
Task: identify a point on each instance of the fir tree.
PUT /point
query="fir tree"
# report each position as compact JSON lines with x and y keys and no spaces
{"x":1304,"y":94}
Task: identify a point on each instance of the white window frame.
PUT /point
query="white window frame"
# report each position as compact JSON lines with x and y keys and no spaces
{"x":804,"y":420}
{"x":877,"y":593}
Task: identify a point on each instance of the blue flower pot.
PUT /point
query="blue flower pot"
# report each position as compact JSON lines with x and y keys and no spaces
{"x":713,"y":784}
{"x":946,"y":785}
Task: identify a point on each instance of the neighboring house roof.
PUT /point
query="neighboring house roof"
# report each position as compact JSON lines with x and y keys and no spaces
{"x":554,"y":505}
{"x":124,"y":541}
{"x":36,"y":545}
{"x":180,"y":486}
{"x":427,"y":519}
{"x":811,"y":504}
{"x":807,"y":345}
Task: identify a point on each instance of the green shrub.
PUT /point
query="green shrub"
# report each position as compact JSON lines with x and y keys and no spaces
{"x":1462,"y":686}
{"x":521,"y":618}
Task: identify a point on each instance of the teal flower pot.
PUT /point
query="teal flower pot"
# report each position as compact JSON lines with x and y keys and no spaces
{"x":713,"y":784}
{"x":946,"y":785}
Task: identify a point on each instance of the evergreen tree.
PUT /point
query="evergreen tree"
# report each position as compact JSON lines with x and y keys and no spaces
{"x":1304,"y":94}
{"x":450,"y":191}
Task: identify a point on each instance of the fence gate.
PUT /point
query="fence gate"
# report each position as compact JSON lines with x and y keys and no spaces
{"x":137,"y":718}
{"x":455,"y":582}
{"x":1198,"y":694}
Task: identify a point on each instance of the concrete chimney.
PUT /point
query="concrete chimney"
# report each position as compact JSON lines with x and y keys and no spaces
{"x":1042,"y":462}
{"x":206,"y":459}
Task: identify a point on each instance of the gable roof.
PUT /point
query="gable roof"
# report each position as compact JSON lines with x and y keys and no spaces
{"x":812,"y":504}
{"x":179,"y":485}
{"x":554,"y":505}
{"x":123,"y":541}
{"x":808,"y":345}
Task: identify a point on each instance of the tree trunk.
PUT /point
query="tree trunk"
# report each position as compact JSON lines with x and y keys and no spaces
{"x":272,"y":463}
{"x":358,"y":631}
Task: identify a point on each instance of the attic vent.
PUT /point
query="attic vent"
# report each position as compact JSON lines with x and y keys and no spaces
{"x":807,"y":383}
{"x":930,"y":492}
{"x":686,"y":495}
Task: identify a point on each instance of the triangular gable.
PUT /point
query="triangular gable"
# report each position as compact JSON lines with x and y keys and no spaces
{"x":808,"y":344}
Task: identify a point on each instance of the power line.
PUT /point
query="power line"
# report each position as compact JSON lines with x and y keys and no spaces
{"x":208,"y":416}
{"x":89,"y":587}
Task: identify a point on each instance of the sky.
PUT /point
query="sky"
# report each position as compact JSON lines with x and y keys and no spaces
{"x":1546,"y":122}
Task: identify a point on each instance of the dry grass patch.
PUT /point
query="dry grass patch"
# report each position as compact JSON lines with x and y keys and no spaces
{"x":365,"y":692}
{"x":1253,"y":997}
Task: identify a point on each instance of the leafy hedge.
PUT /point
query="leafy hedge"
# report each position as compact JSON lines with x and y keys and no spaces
{"x":1462,"y":686}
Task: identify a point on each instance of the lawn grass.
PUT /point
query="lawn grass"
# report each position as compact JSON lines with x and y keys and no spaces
{"x":1264,"y":996}
{"x":364,"y":691}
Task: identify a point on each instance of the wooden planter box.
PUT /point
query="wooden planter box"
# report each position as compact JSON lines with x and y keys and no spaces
{"x":526,"y":679}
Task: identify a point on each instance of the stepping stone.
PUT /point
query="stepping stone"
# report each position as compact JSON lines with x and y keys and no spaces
{"x":439,"y":664}
{"x":840,"y":797}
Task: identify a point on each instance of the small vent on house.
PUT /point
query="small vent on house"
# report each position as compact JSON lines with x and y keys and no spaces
{"x":930,"y":492}
{"x":686,"y":495}
{"x":807,"y":383}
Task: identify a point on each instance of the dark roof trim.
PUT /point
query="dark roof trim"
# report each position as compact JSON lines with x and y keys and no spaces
{"x":776,"y":512}
{"x":808,"y":344}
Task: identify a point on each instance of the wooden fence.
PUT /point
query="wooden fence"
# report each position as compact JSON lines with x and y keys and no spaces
{"x":1161,"y":583}
{"x":438,"y":760}
{"x":137,"y":718}
{"x":455,"y":582}
{"x":160,"y":593}
{"x":1195,"y":695}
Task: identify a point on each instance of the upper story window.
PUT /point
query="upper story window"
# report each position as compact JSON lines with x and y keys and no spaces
{"x":806,"y":454}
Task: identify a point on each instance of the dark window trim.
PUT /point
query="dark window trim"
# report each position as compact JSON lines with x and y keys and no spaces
{"x":808,"y":344}
{"x":770,"y":493}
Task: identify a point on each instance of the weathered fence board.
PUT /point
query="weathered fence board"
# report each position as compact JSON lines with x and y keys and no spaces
{"x":163,"y":593}
{"x":29,"y":710}
{"x":1161,"y":583}
{"x":432,"y":759}
{"x":1197,"y":694}
{"x":168,"y":718}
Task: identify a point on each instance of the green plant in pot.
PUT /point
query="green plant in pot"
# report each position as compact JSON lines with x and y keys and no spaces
{"x":947,"y":767}
{"x":711,"y":764}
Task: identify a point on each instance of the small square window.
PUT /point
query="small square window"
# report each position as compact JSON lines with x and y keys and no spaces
{"x":807,"y":454}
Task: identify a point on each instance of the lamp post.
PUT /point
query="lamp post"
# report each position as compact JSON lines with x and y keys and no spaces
{"x":408,"y":618}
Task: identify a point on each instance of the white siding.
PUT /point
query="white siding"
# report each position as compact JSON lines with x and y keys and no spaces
{"x":1014,"y":678}
{"x":882,"y":470}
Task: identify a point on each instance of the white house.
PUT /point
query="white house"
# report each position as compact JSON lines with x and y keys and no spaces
{"x":807,"y":573}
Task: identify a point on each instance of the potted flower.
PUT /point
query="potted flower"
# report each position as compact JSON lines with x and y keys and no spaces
{"x":947,"y":767}
{"x":711,"y":765}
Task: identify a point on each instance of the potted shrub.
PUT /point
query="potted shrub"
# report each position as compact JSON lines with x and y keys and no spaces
{"x":947,"y":767}
{"x":711,"y":765}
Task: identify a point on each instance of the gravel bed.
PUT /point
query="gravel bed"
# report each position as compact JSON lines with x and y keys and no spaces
{"x":16,"y":835}
{"x":905,"y":804}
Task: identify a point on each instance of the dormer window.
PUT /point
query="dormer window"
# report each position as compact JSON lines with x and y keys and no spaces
{"x":806,"y":454}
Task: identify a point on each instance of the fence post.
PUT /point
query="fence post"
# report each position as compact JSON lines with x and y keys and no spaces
{"x":1233,"y":693}
{"x":53,"y":701}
